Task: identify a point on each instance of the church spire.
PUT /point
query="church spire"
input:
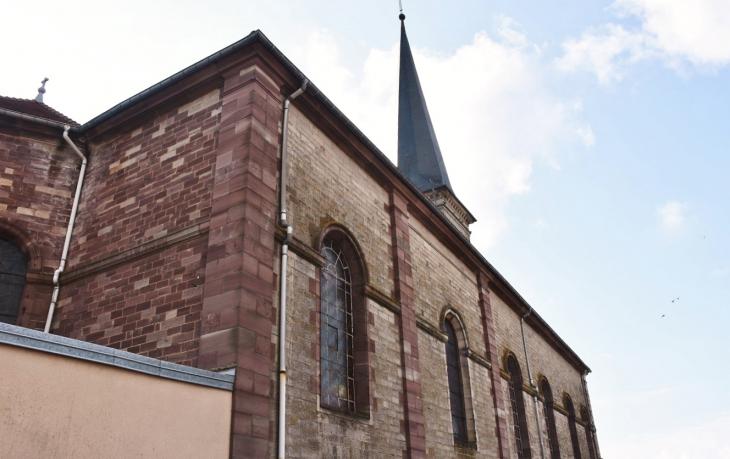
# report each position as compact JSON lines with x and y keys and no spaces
{"x":419,"y":155}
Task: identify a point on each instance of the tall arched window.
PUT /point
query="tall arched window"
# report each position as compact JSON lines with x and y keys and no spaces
{"x":456,"y":385}
{"x":552,"y":431}
{"x":571,"y":426}
{"x":517,"y":402}
{"x":344,"y":352}
{"x":337,"y":347}
{"x":13,"y":268}
{"x":589,"y":433}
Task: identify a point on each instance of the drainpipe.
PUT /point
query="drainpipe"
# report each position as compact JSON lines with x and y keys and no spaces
{"x":69,"y":231}
{"x":282,"y":273}
{"x":532,"y":385}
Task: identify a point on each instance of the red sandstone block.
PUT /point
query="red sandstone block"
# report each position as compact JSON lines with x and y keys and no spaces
{"x":247,"y":447}
{"x":256,"y":363}
{"x":246,"y":402}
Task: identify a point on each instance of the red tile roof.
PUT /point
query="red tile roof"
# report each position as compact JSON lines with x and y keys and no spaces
{"x":31,"y":107}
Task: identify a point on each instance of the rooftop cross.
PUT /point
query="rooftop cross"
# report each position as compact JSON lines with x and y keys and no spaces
{"x":41,"y":91}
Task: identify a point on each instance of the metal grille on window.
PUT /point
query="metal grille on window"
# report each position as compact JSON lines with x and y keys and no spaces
{"x":13,"y":268}
{"x":456,"y":387}
{"x":337,"y":348}
{"x":515,"y":417}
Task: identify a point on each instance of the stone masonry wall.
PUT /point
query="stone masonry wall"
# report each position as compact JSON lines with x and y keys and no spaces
{"x":545,"y":362}
{"x":38,"y":175}
{"x":315,"y":432}
{"x":138,"y":256}
{"x":325,"y":186}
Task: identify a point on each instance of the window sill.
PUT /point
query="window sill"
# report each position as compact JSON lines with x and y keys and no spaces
{"x":363,"y":418}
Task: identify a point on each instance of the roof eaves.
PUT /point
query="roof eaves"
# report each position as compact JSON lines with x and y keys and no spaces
{"x":258,"y":37}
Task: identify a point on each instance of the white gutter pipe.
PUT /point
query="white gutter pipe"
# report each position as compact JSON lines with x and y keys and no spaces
{"x":532,"y":385}
{"x":282,"y":272}
{"x":69,"y":231}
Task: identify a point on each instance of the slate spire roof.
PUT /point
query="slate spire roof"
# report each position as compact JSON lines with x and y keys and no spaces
{"x":419,"y":155}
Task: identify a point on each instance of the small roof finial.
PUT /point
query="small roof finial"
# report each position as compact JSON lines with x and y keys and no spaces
{"x":401,"y":16}
{"x":41,"y":91}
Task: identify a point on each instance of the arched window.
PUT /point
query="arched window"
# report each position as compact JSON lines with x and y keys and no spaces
{"x":13,"y":268}
{"x":552,"y":431}
{"x":344,"y":354}
{"x":456,"y":385}
{"x":589,"y":433}
{"x":571,"y":426}
{"x":517,"y":402}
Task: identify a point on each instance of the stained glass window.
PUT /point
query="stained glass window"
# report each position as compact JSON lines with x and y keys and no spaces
{"x":552,"y":433}
{"x":517,"y":404}
{"x":337,"y":375}
{"x":571,"y":426}
{"x":456,"y":386}
{"x":13,"y":267}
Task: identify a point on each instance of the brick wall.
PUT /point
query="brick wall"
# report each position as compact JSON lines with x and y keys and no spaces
{"x":38,"y":175}
{"x":137,"y":261}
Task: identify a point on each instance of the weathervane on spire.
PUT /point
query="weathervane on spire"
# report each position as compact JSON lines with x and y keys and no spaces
{"x":401,"y":16}
{"x":41,"y":91}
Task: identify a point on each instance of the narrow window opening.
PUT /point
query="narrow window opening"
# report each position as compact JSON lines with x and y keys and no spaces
{"x":517,"y":402}
{"x":572,"y":427}
{"x":589,"y":433}
{"x":13,"y":268}
{"x":552,"y":432}
{"x":337,"y":382}
{"x":456,"y":386}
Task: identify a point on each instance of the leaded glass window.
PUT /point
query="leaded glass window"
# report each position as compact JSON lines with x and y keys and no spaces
{"x":337,"y":375}
{"x":13,"y":267}
{"x":552,"y":433}
{"x":517,"y":404}
{"x":456,"y":386}
{"x":571,"y":426}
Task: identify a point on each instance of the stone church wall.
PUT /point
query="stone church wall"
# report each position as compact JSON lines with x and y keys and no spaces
{"x":546,"y":362}
{"x":327,"y":186}
{"x":140,"y":242}
{"x":37,"y":182}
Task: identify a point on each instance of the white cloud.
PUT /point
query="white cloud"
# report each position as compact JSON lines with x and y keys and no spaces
{"x":672,"y":215}
{"x":676,"y":31}
{"x":604,"y":51}
{"x":542,"y":225}
{"x":704,"y":440}
{"x":493,"y":115}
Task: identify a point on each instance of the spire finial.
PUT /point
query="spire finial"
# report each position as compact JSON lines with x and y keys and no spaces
{"x":41,"y":91}
{"x":401,"y":16}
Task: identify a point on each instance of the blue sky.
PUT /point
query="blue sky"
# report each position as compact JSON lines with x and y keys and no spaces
{"x":588,"y":138}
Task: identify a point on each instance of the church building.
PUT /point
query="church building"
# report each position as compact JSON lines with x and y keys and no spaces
{"x":224,"y":266}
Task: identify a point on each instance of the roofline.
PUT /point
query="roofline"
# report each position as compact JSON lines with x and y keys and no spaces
{"x":37,"y":119}
{"x":258,"y":37}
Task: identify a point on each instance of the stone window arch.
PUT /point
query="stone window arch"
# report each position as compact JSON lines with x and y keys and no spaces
{"x":572,"y":427}
{"x":552,"y":431}
{"x":459,"y":381}
{"x":517,"y":403}
{"x":13,"y":270}
{"x":589,"y":432}
{"x":344,"y":360}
